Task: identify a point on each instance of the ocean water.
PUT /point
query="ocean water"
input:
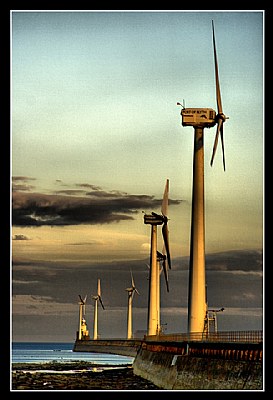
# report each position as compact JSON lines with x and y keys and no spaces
{"x":26,"y":352}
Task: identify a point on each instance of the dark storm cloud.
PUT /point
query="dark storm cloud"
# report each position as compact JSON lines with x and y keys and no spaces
{"x":236,"y":260}
{"x":225,"y":288}
{"x":100,"y":207}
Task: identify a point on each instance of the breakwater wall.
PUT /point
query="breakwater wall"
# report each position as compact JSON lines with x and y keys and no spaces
{"x":201,"y":366}
{"x":111,"y":346}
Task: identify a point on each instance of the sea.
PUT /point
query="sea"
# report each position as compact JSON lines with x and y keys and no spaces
{"x":47,"y":352}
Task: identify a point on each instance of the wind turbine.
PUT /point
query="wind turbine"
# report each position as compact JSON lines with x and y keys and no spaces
{"x":154,"y":220}
{"x":200,"y":118}
{"x":131,"y":291}
{"x":81,"y":303}
{"x":96,"y":298}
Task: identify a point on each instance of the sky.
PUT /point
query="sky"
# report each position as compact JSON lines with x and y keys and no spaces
{"x":95,"y":133}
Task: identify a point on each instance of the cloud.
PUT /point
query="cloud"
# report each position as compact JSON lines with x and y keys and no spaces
{"x":91,"y":243}
{"x":89,"y":186}
{"x":22,"y":187}
{"x":71,"y":192}
{"x":145,"y":248}
{"x":20,"y":237}
{"x":40,"y":305}
{"x":239,"y":272}
{"x":65,"y":208}
{"x":22,"y":282}
{"x":22,"y":178}
{"x":224,"y":288}
{"x":239,"y":260}
{"x":23,"y":183}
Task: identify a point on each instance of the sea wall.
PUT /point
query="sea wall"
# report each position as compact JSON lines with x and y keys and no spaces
{"x":111,"y":346}
{"x":194,"y":367}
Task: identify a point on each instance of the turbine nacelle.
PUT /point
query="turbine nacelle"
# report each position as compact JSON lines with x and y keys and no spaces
{"x":133,"y":288}
{"x":153,"y":219}
{"x":199,"y":117}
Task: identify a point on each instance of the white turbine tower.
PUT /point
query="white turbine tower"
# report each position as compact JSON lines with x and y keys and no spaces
{"x":154,"y":220}
{"x":200,"y":118}
{"x":131,"y":291}
{"x":81,"y":303}
{"x":96,"y":298}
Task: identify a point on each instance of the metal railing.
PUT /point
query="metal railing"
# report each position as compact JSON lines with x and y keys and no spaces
{"x":224,"y":336}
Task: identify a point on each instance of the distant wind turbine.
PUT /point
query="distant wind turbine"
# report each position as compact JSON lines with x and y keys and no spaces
{"x":81,"y":303}
{"x":200,"y":118}
{"x":131,"y":291}
{"x":96,"y":298}
{"x":154,"y":220}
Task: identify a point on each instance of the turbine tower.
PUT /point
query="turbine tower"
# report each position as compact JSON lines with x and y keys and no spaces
{"x":96,"y":298}
{"x":131,"y":291}
{"x":154,"y":220}
{"x":81,"y":303}
{"x":200,"y":118}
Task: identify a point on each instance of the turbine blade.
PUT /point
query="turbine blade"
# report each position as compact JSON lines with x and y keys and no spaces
{"x":218,"y":94}
{"x":165,"y":269}
{"x":99,"y":289}
{"x":164,"y":206}
{"x":132,"y":280}
{"x":165,"y":234}
{"x":101,"y":302}
{"x":81,"y":299}
{"x":223,"y":149}
{"x":220,"y":123}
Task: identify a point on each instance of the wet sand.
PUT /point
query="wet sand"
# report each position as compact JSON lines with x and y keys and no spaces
{"x":76,"y":376}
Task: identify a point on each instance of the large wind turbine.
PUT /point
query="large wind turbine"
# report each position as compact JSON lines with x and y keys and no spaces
{"x":200,"y":118}
{"x":131,"y":291}
{"x":154,"y":220}
{"x":96,"y":298}
{"x":81,"y":303}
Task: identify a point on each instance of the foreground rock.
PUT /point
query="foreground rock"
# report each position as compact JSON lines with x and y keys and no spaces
{"x":67,"y":377}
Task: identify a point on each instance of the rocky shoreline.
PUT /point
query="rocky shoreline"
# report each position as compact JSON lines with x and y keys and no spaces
{"x":77,"y":376}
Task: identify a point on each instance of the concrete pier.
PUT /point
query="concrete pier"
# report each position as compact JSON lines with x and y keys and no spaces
{"x":192,"y":366}
{"x":121,"y":347}
{"x":222,"y":361}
